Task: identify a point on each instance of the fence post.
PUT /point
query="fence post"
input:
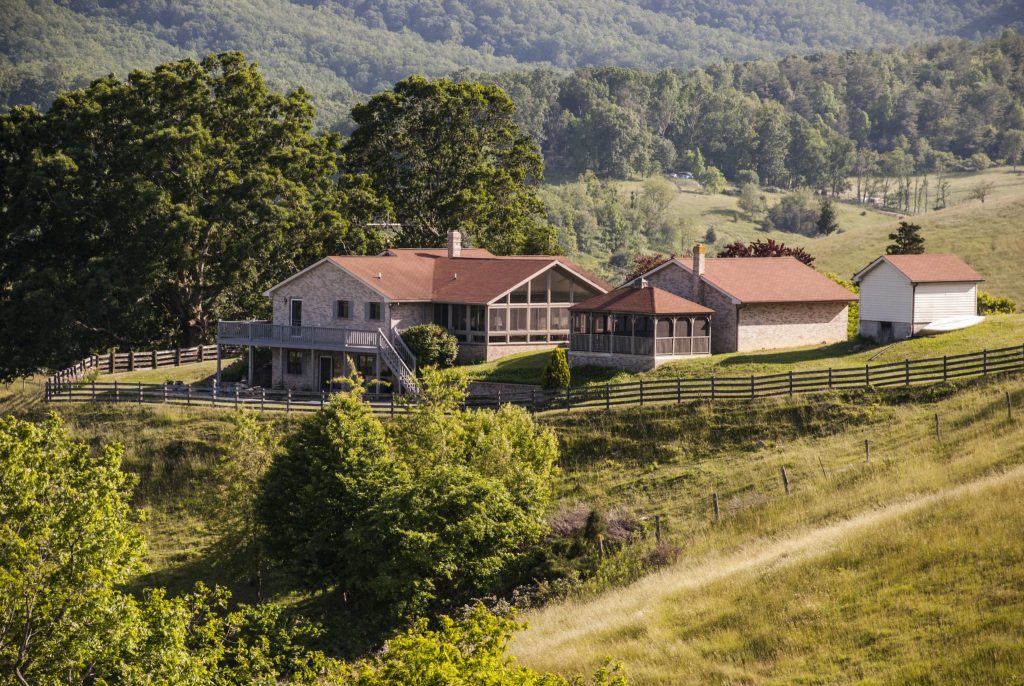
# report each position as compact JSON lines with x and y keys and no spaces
{"x":131,"y":360}
{"x":984,"y":361}
{"x":785,"y":479}
{"x":1009,"y":407}
{"x":679,"y":390}
{"x":177,"y":357}
{"x":567,"y":401}
{"x":213,"y":394}
{"x":236,"y":396}
{"x":117,"y":393}
{"x":321,"y":399}
{"x":714,"y":505}
{"x":641,"y":392}
{"x":499,"y":398}
{"x":867,"y":375}
{"x":110,"y":363}
{"x":46,"y":391}
{"x":938,"y":429}
{"x":288,"y":402}
{"x":751,"y":386}
{"x":199,"y":354}
{"x":945,"y":368}
{"x":791,"y":383}
{"x":867,"y":451}
{"x":607,"y":396}
{"x":94,"y":390}
{"x":263,"y":397}
{"x":906,"y":371}
{"x":140,"y":392}
{"x":165,"y":393}
{"x":154,"y":359}
{"x":533,"y":399}
{"x":188,"y":395}
{"x":713,"y":394}
{"x":830,"y":378}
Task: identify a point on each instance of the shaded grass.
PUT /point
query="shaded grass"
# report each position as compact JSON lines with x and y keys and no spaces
{"x":195,"y":373}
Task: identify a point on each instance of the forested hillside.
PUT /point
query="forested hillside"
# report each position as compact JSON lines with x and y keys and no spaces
{"x":341,"y":48}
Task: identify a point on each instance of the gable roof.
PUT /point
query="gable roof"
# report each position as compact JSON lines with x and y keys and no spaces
{"x":629,"y":299}
{"x":423,"y":275}
{"x":767,"y":280}
{"x":927,"y":268}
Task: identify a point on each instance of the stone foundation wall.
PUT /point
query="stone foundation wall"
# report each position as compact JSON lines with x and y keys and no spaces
{"x":630,"y":363}
{"x":873,"y":330}
{"x":790,"y":325}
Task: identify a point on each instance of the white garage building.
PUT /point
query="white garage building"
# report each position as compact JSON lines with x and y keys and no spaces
{"x":902,"y":294}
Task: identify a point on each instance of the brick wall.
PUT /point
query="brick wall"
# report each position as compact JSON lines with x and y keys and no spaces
{"x":790,"y":325}
{"x":319,"y":288}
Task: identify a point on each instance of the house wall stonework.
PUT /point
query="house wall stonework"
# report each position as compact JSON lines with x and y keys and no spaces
{"x":679,"y":281}
{"x":630,"y":363}
{"x":319,"y":288}
{"x":674,"y":279}
{"x":790,"y":325}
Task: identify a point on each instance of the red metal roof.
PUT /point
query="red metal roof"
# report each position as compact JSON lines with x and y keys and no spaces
{"x":932,"y":268}
{"x":770,"y":280}
{"x":629,"y":299}
{"x":476,"y":276}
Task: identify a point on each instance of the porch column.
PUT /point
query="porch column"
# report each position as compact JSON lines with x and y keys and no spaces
{"x":376,"y":372}
{"x":632,"y":334}
{"x":283,"y":362}
{"x":217,"y":377}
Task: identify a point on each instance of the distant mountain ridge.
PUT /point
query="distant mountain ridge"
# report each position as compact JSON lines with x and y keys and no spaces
{"x":340,"y":49}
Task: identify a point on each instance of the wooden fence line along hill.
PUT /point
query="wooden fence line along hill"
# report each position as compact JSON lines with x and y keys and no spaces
{"x":112,"y":363}
{"x":909,"y":372}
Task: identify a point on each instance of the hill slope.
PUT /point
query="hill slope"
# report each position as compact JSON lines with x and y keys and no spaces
{"x":338,"y":48}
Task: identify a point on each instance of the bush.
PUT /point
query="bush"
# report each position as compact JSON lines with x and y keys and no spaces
{"x":797,"y":213}
{"x":556,"y":375}
{"x":745,"y":176}
{"x":992,"y":304}
{"x":413,"y":520}
{"x":432,"y":345}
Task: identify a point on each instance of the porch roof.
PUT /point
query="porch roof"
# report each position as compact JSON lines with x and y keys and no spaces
{"x":644,"y":299}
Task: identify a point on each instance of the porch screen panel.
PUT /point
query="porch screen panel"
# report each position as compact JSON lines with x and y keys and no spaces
{"x":561,"y":288}
{"x":559,"y":319}
{"x":538,"y":319}
{"x":499,"y":319}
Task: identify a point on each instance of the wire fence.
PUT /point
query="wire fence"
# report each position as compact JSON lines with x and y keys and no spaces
{"x":906,"y":373}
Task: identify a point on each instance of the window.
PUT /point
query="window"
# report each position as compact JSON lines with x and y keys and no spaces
{"x":477,"y":317}
{"x":559,"y":319}
{"x":538,"y":319}
{"x":517,"y":319}
{"x":460,"y":318}
{"x":374,"y":310}
{"x":499,"y":319}
{"x":561,"y":287}
{"x":441,"y":314}
{"x":664,"y":328}
{"x":295,"y":311}
{"x":539,"y":289}
{"x":700,"y":326}
{"x":581,"y":293}
{"x":364,"y":364}
{"x":295,"y":362}
{"x":519,"y":295}
{"x":579,"y":322}
{"x":621,"y":325}
{"x":342,"y":309}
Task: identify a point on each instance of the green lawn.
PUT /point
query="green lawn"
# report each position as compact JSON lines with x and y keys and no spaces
{"x":996,"y":332}
{"x":195,"y":373}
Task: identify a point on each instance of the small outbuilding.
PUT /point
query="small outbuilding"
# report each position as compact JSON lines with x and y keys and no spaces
{"x":901,"y":295}
{"x":637,"y":327}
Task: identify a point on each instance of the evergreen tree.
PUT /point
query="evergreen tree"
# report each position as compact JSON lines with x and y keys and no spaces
{"x":906,"y":241}
{"x":556,"y":375}
{"x":827,"y":223}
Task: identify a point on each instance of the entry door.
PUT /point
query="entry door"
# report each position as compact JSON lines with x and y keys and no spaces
{"x":326,"y":372}
{"x":295,"y":316}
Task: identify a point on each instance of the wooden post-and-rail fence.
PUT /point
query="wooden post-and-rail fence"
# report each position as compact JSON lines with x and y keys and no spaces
{"x":113,"y":363}
{"x":67,"y":386}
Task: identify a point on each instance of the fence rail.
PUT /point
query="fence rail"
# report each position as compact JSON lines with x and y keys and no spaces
{"x":905,"y":373}
{"x":112,"y":363}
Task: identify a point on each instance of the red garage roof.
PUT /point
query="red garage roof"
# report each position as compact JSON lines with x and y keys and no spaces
{"x":939,"y":268}
{"x":630,"y":299}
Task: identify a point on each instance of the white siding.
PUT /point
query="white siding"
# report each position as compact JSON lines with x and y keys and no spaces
{"x":934,"y":301}
{"x":886,"y":295}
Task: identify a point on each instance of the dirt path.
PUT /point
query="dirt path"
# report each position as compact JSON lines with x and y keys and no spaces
{"x":573,"y":621}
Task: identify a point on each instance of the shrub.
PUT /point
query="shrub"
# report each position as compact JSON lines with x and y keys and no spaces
{"x":796,"y":213}
{"x":853,"y":320}
{"x":556,"y":375}
{"x":432,"y":345}
{"x":992,"y":304}
{"x":745,"y":176}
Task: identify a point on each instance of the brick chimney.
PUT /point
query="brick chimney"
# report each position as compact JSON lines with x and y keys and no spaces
{"x":454,"y":243}
{"x":698,"y":269}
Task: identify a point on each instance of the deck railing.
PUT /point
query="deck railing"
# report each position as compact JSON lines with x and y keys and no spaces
{"x":639,"y":345}
{"x":263,"y":333}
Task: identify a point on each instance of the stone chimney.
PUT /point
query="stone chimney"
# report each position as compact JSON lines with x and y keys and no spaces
{"x":454,"y":243}
{"x":698,"y":269}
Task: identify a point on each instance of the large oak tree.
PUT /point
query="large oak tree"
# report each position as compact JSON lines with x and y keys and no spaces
{"x":138,"y":212}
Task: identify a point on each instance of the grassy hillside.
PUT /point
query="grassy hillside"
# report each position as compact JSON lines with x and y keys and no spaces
{"x":864,"y":571}
{"x":987,"y":235}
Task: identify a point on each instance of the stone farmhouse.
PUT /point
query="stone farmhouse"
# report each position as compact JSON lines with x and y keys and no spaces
{"x":759,"y":303}
{"x":354,"y":307}
{"x":902,"y":294}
